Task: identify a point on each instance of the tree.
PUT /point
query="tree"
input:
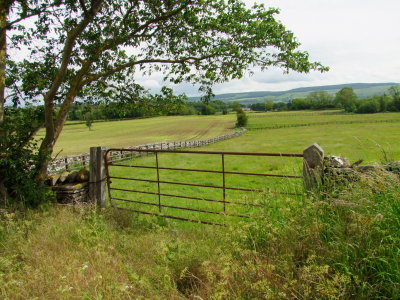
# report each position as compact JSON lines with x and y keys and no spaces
{"x":16,"y":143}
{"x":300,"y":104}
{"x":320,"y":100}
{"x":12,"y":14}
{"x":87,"y":114}
{"x":207,"y":109}
{"x":395,"y":93}
{"x":236,"y":106}
{"x":347,"y":99}
{"x":368,"y":106}
{"x":384,"y":102}
{"x":241,"y":118}
{"x":269,"y":104}
{"x":280,"y":106}
{"x":94,"y":47}
{"x":258,"y":106}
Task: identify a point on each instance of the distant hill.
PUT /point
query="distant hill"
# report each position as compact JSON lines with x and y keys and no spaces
{"x":363,"y":90}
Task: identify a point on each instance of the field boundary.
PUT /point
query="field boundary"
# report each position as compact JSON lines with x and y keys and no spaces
{"x":279,"y":126}
{"x":262,"y":114}
{"x":78,"y":161}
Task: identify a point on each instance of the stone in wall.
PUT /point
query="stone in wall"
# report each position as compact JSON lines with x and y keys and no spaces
{"x":337,"y":168}
{"x":71,"y":187}
{"x":72,"y":193}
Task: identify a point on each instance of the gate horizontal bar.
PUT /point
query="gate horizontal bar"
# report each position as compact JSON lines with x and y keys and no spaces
{"x":182,"y":208}
{"x":206,"y":171}
{"x":203,"y":185}
{"x":187,"y":197}
{"x":210,"y":152}
{"x":170,"y":217}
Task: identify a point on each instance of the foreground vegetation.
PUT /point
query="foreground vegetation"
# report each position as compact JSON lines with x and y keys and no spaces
{"x":341,"y":244}
{"x":344,"y":245}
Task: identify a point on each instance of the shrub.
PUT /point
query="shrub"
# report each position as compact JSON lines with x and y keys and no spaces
{"x":368,"y":106}
{"x":18,"y":151}
{"x":241,"y":119}
{"x":207,"y":109}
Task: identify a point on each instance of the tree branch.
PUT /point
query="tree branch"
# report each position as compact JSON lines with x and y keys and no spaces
{"x":190,"y":59}
{"x":83,"y":6}
{"x":49,"y":140}
{"x":117,"y":41}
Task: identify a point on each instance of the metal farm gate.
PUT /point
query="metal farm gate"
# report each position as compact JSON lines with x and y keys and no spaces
{"x":147,"y":187}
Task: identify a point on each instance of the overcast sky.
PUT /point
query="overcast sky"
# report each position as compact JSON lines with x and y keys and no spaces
{"x":358,"y":39}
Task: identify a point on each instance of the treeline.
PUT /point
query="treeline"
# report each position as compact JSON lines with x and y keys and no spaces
{"x":345,"y":99}
{"x":168,"y":104}
{"x":161,"y":105}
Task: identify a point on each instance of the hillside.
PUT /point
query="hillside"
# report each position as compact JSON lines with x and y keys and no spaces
{"x":363,"y":90}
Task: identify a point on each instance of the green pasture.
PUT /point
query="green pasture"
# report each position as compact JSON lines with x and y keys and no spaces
{"x":372,"y":138}
{"x":343,"y":245}
{"x":76,"y":138}
{"x":306,"y":118}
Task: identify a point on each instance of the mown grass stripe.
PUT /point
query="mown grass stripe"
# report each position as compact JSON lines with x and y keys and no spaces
{"x":323,"y":123}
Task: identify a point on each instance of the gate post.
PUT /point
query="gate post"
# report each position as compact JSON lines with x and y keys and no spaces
{"x":97,"y":178}
{"x":313,"y":167}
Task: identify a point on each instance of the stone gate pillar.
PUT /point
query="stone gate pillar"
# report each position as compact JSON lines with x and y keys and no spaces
{"x":313,"y":167}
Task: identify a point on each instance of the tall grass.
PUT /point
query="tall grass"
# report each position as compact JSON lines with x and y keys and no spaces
{"x":345,"y":244}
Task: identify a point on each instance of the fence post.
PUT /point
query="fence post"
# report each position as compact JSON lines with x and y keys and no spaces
{"x":313,"y":167}
{"x":66,"y":163}
{"x":97,"y":178}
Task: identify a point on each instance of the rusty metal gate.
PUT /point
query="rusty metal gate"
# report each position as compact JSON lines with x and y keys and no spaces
{"x":124,"y":196}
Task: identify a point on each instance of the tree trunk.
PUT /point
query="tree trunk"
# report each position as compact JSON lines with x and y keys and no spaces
{"x":4,"y":10}
{"x":54,"y":127}
{"x":53,"y":130}
{"x":3,"y":192}
{"x":3,"y":56}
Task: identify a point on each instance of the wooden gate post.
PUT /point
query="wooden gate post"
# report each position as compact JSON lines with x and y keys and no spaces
{"x":97,"y":178}
{"x":313,"y":167}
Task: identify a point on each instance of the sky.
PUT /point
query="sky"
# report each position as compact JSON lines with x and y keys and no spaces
{"x":358,"y":39}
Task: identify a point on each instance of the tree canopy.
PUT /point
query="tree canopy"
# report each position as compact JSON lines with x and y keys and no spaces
{"x":96,"y":48}
{"x":346,"y":98}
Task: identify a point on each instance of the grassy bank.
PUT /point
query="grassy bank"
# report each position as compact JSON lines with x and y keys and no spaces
{"x":342,"y":246}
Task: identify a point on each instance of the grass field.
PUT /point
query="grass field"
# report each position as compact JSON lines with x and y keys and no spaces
{"x":354,"y":136}
{"x":76,"y":138}
{"x":373,"y":138}
{"x":342,"y":245}
{"x":368,"y":137}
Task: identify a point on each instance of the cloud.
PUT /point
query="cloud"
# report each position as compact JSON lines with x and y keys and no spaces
{"x":358,"y":39}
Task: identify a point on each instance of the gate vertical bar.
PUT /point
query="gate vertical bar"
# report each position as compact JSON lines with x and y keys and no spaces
{"x":158,"y":183}
{"x":106,"y":162}
{"x":223,"y":179}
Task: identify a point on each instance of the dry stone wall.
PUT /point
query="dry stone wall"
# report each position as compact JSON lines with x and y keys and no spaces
{"x":74,"y":162}
{"x":70,"y":187}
